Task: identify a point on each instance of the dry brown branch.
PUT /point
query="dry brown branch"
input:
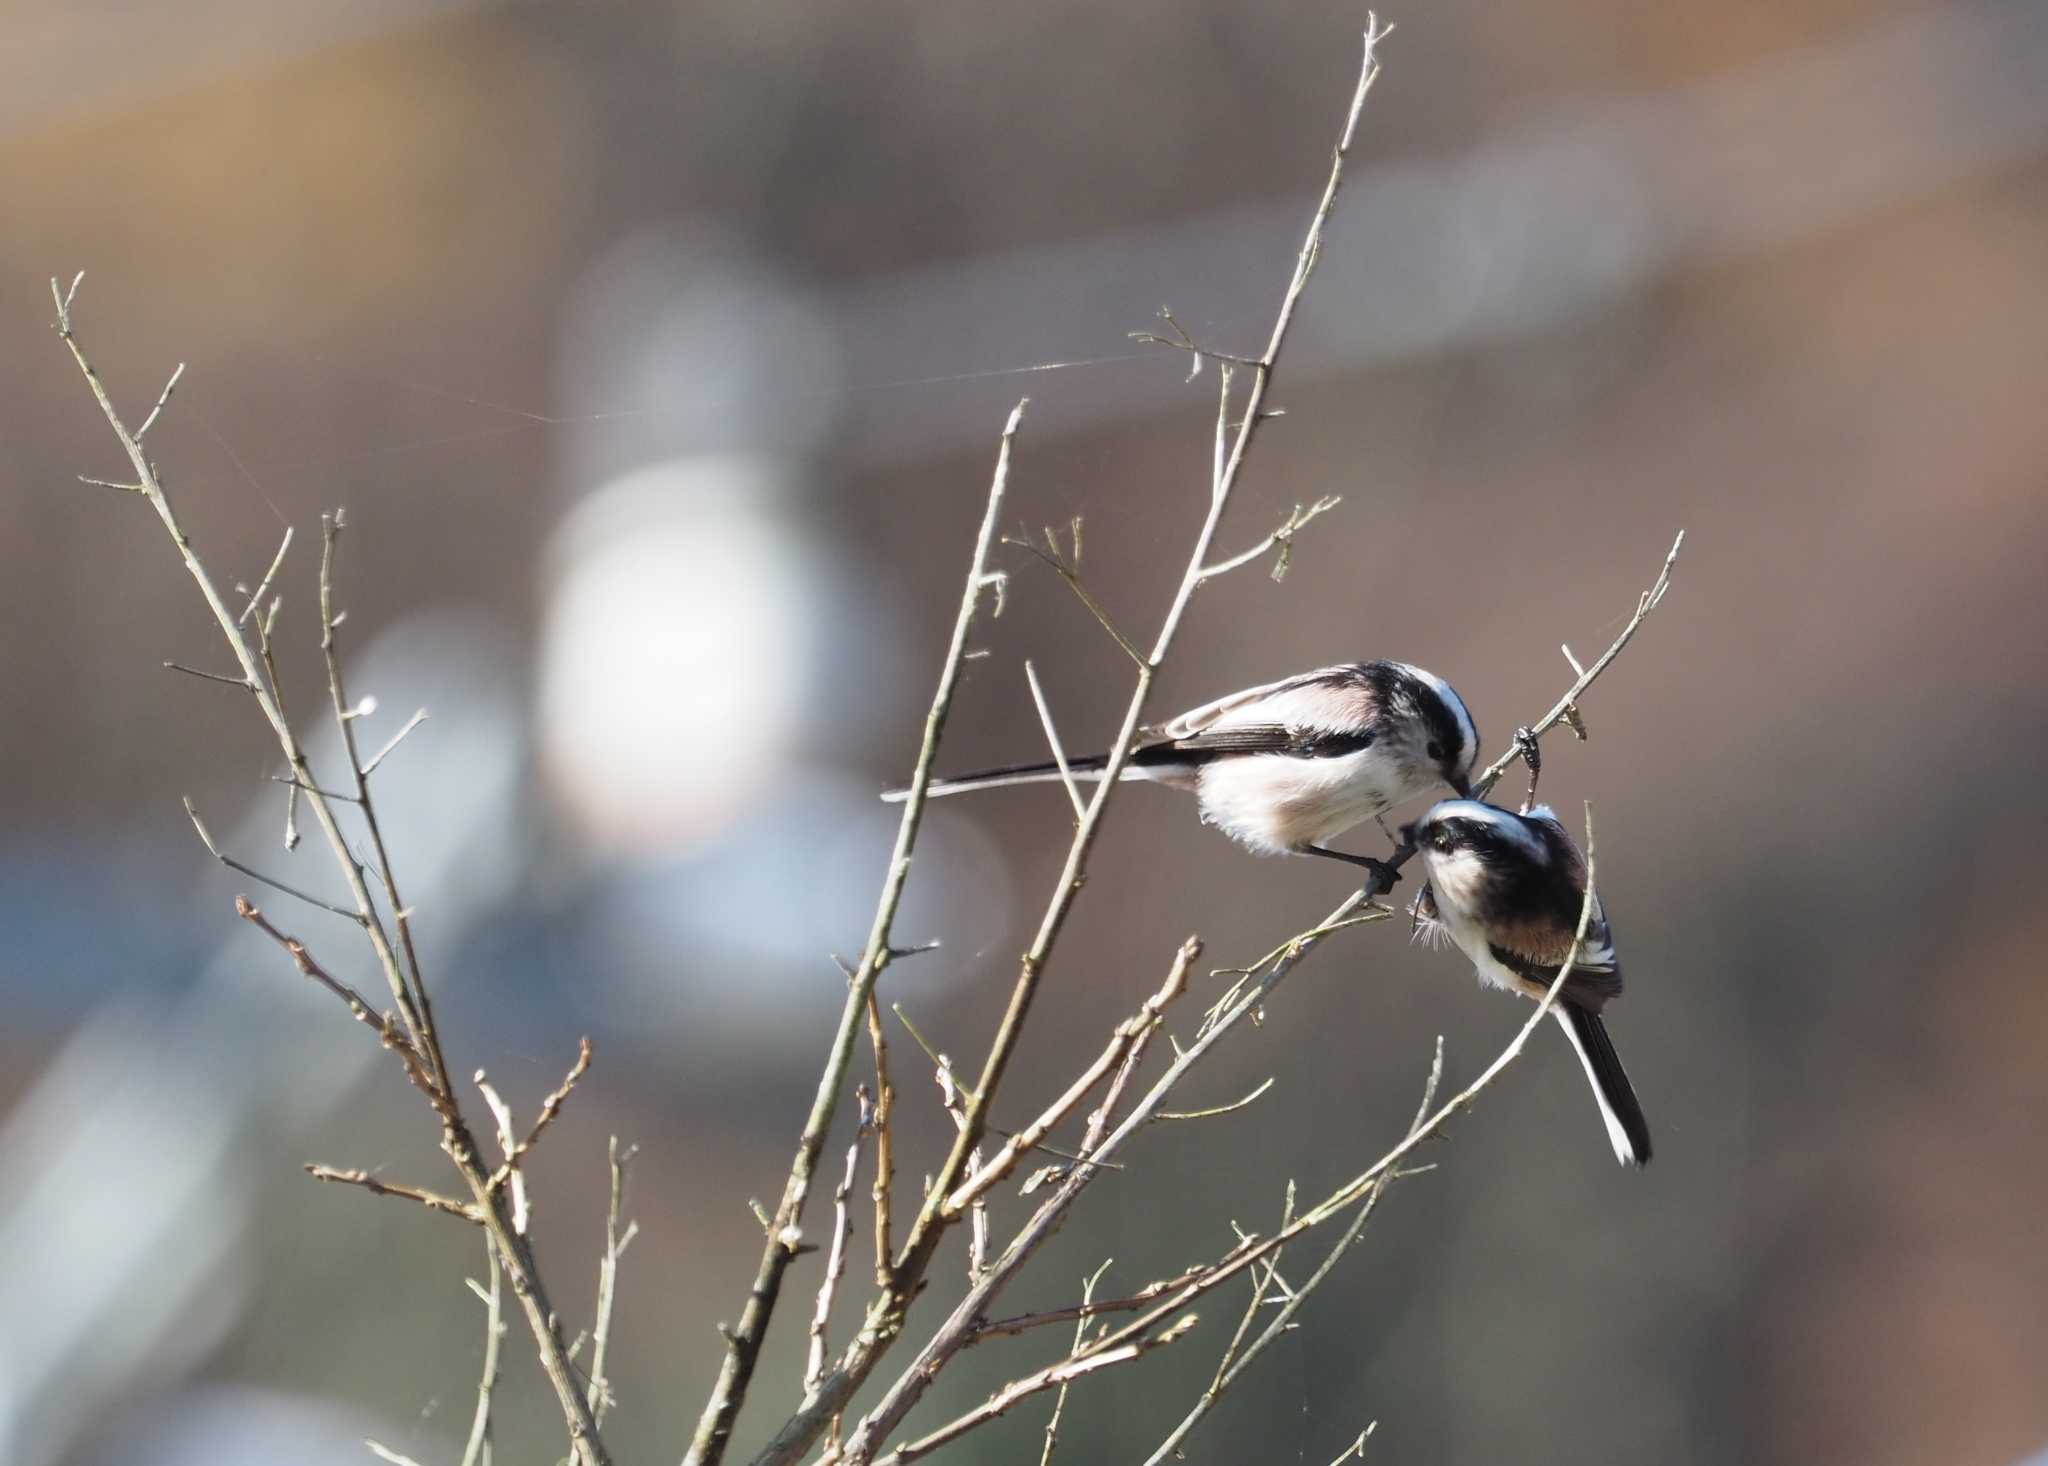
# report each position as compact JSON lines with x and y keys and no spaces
{"x":743,"y":1344}
{"x":382,"y":1024}
{"x":432,"y":1201}
{"x":408,"y":991}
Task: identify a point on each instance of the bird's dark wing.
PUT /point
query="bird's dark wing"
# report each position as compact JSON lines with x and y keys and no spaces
{"x":1536,"y":951}
{"x":1246,"y":738}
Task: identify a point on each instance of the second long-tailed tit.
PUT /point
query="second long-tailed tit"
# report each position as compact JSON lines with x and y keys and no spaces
{"x":1285,"y":767}
{"x":1508,"y":889}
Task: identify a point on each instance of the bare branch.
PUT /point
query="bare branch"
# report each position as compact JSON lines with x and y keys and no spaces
{"x":1121,"y":1043}
{"x":714,"y":1428}
{"x":477,"y":1450}
{"x":1566,"y":708}
{"x":835,"y":1257}
{"x":1070,"y":573}
{"x":1232,"y":1364}
{"x":253,"y":874}
{"x":385,"y":1453}
{"x":397,"y":738}
{"x":431,"y":1200}
{"x":550,"y":1107}
{"x":1281,"y":538}
{"x":1051,"y":1377}
{"x":1059,"y":1404}
{"x":157,"y":411}
{"x":1052,"y":738}
{"x":1217,"y":1109}
{"x":382,"y":1024}
{"x":1356,"y":1448}
{"x":885,"y":1161}
{"x":507,"y":1146}
{"x":241,"y":682}
{"x":615,"y":1245}
{"x":270,"y":575}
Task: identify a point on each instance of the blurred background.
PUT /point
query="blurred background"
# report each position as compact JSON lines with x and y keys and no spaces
{"x":658,"y":353}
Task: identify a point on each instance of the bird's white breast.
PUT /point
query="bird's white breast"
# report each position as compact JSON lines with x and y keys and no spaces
{"x":1459,"y":880}
{"x":1274,"y":803}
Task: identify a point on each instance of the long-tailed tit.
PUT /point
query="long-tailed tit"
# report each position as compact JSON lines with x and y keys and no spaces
{"x":1285,"y":767}
{"x":1508,"y":889}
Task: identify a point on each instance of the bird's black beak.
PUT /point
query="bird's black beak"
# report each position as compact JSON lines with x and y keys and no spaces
{"x":1460,"y":785}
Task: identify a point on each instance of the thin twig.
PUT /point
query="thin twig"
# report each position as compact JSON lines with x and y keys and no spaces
{"x":885,"y":1160}
{"x":431,"y":1200}
{"x":615,"y":1245}
{"x":157,"y":411}
{"x":397,"y":738}
{"x":241,"y":682}
{"x":1233,"y":1364}
{"x":1121,"y":1042}
{"x":1281,"y":538}
{"x":550,"y":1107}
{"x":269,"y":576}
{"x":1215,"y":1110}
{"x":345,"y":716}
{"x":1059,"y":1404}
{"x":1024,"y":1323}
{"x":385,"y":1453}
{"x":835,"y":1256}
{"x":477,"y":1451}
{"x":507,"y":1147}
{"x":1052,"y":738}
{"x":382,"y":1024}
{"x":1051,"y":1377}
{"x":206,"y":839}
{"x":1070,"y":573}
{"x":743,"y":1346}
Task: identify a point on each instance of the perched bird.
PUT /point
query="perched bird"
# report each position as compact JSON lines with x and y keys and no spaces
{"x":1508,"y":889}
{"x":1285,"y":767}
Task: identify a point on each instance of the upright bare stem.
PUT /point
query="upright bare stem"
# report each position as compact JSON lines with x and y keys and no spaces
{"x":743,"y":1344}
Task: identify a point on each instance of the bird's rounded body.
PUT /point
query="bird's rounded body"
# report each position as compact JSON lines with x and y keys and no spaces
{"x":1509,"y":891}
{"x":1285,"y":766}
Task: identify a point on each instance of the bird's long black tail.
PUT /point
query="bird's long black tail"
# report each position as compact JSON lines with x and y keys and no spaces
{"x":1155,"y":761}
{"x":1626,"y":1127}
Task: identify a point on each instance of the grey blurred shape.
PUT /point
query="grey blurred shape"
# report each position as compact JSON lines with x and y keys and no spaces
{"x":1581,"y":203}
{"x":132,"y":1181}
